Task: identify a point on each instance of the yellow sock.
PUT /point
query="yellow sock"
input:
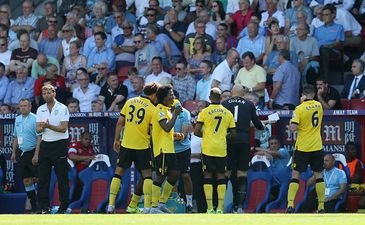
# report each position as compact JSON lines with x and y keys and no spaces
{"x":114,"y":189}
{"x":166,"y":191}
{"x":292,"y":192}
{"x":134,"y":201}
{"x":221,"y":189}
{"x":208,"y":190}
{"x":147,"y":192}
{"x":320,"y":189}
{"x":155,"y":195}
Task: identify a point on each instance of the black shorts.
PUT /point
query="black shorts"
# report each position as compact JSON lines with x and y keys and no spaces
{"x":141,"y":158}
{"x":27,"y":169}
{"x":238,"y":156}
{"x":214,"y":164}
{"x":301,"y":160}
{"x":164,"y":163}
{"x":183,"y":161}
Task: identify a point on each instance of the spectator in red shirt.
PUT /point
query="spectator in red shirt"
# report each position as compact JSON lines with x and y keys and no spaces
{"x":81,"y":153}
{"x":240,"y":19}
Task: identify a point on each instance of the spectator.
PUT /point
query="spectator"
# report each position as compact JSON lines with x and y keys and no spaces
{"x":99,"y":78}
{"x":241,"y":18}
{"x":4,"y":82}
{"x":194,"y":11}
{"x":358,"y":11}
{"x":6,"y":109}
{"x":318,"y":20}
{"x":23,"y":56}
{"x":52,"y":45}
{"x":68,"y":35}
{"x":39,"y":65}
{"x":291,"y":14}
{"x":270,"y":40}
{"x":86,"y":92}
{"x":90,"y":42}
{"x":137,"y":83}
{"x":330,"y":38}
{"x":354,"y":84}
{"x":157,"y":73}
{"x":327,"y":95}
{"x":335,"y":181}
{"x":210,"y":27}
{"x":223,"y":32}
{"x":219,"y":15}
{"x":112,"y":93}
{"x":256,"y":18}
{"x":183,"y":82}
{"x":226,"y":95}
{"x":132,"y":72}
{"x":21,"y":87}
{"x":119,"y":7}
{"x":355,"y":165}
{"x":167,"y":49}
{"x":124,"y":47}
{"x":252,"y":76}
{"x":81,"y":153}
{"x":301,"y":18}
{"x":204,"y":84}
{"x":73,"y":105}
{"x":28,"y":20}
{"x":200,"y":53}
{"x":285,"y":94}
{"x":97,"y":106}
{"x":5,"y":53}
{"x":50,"y":12}
{"x":100,"y":54}
{"x":351,"y":26}
{"x":252,"y":43}
{"x":71,"y":63}
{"x":174,"y":28}
{"x":272,"y":12}
{"x":307,"y":50}
{"x":6,"y":12}
{"x":56,"y":80}
{"x":148,"y":19}
{"x":179,"y":8}
{"x":100,"y":11}
{"x":144,"y":55}
{"x":160,"y":12}
{"x":220,"y":51}
{"x":117,"y":29}
{"x":344,"y":5}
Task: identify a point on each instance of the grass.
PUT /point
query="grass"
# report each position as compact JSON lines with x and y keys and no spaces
{"x":184,"y":219}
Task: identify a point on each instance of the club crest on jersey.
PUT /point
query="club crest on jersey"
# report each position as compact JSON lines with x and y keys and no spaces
{"x":162,"y":114}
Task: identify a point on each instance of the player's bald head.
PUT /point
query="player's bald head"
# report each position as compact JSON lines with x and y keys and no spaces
{"x":238,"y":90}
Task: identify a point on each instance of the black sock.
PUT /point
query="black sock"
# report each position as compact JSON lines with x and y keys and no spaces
{"x":242,"y":189}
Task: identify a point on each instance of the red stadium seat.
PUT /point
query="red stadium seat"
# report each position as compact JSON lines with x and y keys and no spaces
{"x":346,"y":103}
{"x":191,"y":105}
{"x":123,"y":73}
{"x":358,"y":104}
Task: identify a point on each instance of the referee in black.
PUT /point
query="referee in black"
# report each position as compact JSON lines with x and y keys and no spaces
{"x":52,"y":122}
{"x":238,"y":149}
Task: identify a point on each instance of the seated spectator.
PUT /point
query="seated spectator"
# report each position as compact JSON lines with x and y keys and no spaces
{"x":100,"y":11}
{"x":291,"y":14}
{"x":132,"y":72}
{"x":330,"y":38}
{"x":144,"y":55}
{"x":50,"y":17}
{"x":218,"y":15}
{"x":6,"y":109}
{"x":100,"y":54}
{"x":272,"y":12}
{"x":223,"y":32}
{"x":256,"y":18}
{"x":174,"y":28}
{"x":144,"y":21}
{"x":119,"y":18}
{"x":335,"y":182}
{"x":240,"y":18}
{"x":210,"y":27}
{"x":137,"y":83}
{"x":4,"y":82}
{"x":354,"y":84}
{"x":220,"y":51}
{"x":6,"y":12}
{"x":307,"y":50}
{"x":97,"y":106}
{"x":270,"y":40}
{"x":183,"y":82}
{"x":351,"y":26}
{"x":123,"y":47}
{"x":44,"y":33}
{"x":286,"y":79}
{"x":157,"y":72}
{"x":327,"y":95}
{"x":52,"y":45}
{"x":252,"y":43}
{"x":160,"y":11}
{"x":200,"y":53}
{"x":355,"y":165}
{"x":99,"y":78}
{"x":39,"y":65}
{"x":119,"y":8}
{"x":358,"y":11}
{"x":5,"y":53}
{"x":204,"y":84}
{"x":71,"y":64}
{"x":73,"y":105}
{"x":112,"y":93}
{"x":55,"y":80}
{"x":68,"y":36}
{"x":7,"y":32}
{"x":23,"y":56}
{"x":179,"y":8}
{"x":318,"y":20}
{"x":15,"y":43}
{"x":301,"y":18}
{"x":86,"y":92}
{"x":252,"y":76}
{"x":90,"y":42}
{"x":81,"y":153}
{"x":28,"y":20}
{"x":21,"y":87}
{"x":166,"y":48}
{"x":344,"y":5}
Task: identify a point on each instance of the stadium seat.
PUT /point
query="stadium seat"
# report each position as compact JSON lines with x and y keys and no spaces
{"x":346,"y":103}
{"x":123,"y":73}
{"x":96,"y":179}
{"x":53,"y":189}
{"x":357,"y":103}
{"x":283,"y":178}
{"x":259,"y":184}
{"x":341,"y":160}
{"x":191,"y":105}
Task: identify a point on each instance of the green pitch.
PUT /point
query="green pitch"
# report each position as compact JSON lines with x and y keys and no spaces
{"x":185,"y":219}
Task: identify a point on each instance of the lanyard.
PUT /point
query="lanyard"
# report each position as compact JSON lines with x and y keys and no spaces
{"x":327,"y":181}
{"x":25,"y":118}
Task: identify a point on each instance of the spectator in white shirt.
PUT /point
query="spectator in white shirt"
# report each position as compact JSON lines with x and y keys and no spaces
{"x":157,"y":72}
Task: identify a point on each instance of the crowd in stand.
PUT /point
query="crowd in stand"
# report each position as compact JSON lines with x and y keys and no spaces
{"x":99,"y":53}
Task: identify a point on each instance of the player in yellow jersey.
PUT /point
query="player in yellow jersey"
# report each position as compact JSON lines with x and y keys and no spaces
{"x":163,"y":122}
{"x":307,"y":120}
{"x":135,"y":117}
{"x":213,"y":125}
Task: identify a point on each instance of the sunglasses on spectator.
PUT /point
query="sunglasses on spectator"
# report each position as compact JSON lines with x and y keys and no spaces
{"x":65,"y":31}
{"x":215,"y":6}
{"x":150,"y":15}
{"x":3,"y":11}
{"x":178,"y":68}
{"x":52,"y":21}
{"x":102,"y":68}
{"x":137,"y":42}
{"x":199,"y":5}
{"x":2,"y":44}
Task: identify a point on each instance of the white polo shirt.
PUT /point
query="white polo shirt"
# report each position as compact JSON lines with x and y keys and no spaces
{"x":223,"y":74}
{"x":86,"y":98}
{"x":58,"y":114}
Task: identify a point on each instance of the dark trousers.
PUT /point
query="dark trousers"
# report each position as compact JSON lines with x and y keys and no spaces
{"x":311,"y":204}
{"x":53,"y":154}
{"x":326,"y":54}
{"x":197,"y":179}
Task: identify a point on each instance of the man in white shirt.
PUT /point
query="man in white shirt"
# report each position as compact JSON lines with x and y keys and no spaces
{"x":210,"y":27}
{"x":350,"y":25}
{"x":272,"y":11}
{"x":157,"y":72}
{"x":86,"y":92}
{"x":52,"y":121}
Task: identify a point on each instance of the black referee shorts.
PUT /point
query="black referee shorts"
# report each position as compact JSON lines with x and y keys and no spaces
{"x":141,"y":158}
{"x":27,"y":169}
{"x":238,"y":156}
{"x":183,"y":161}
{"x":301,"y":160}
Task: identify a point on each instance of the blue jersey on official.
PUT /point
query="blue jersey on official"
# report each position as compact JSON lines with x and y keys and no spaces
{"x":182,"y":119}
{"x":25,"y":132}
